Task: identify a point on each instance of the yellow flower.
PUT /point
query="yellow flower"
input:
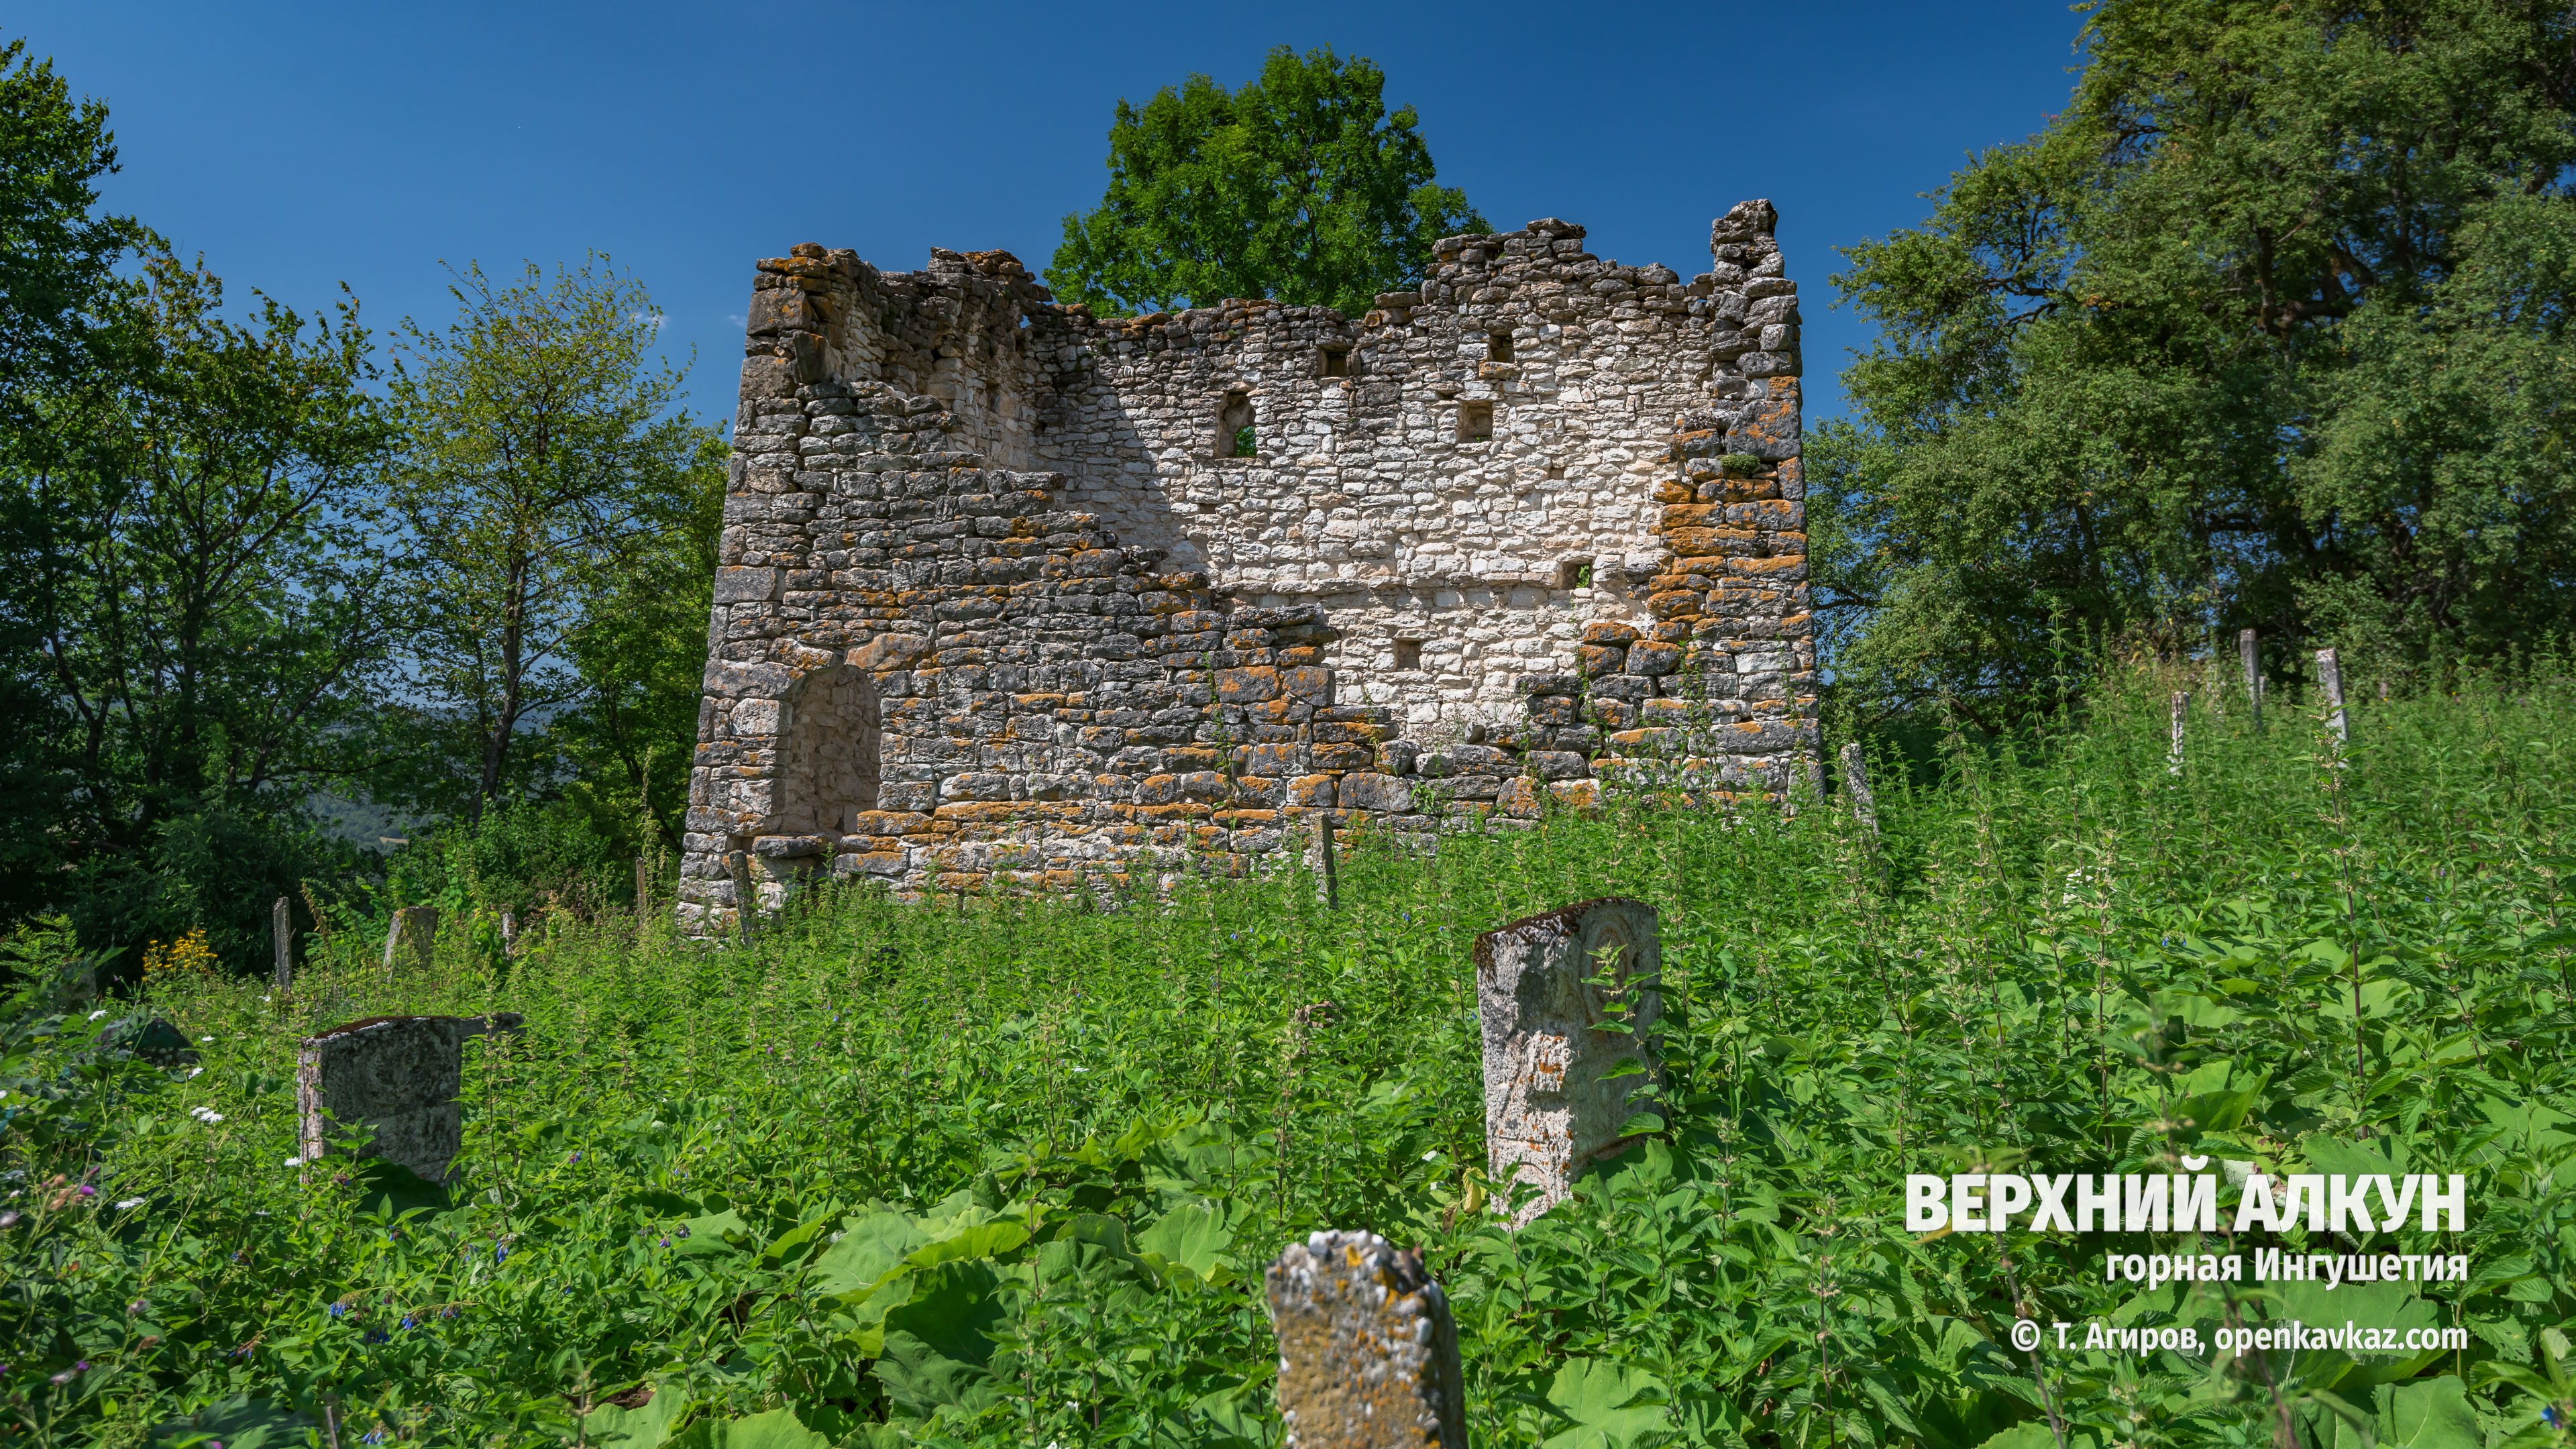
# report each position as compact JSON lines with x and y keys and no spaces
{"x":187,"y":956}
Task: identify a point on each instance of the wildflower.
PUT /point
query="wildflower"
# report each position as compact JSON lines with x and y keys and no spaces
{"x":95,"y":1015}
{"x":137,"y":1306}
{"x":193,"y":1074}
{"x":204,"y":1039}
{"x":576,"y":1157}
{"x":207,"y":1115}
{"x":1431,"y":1156}
{"x":237,"y":1257}
{"x":295,"y":1162}
{"x":666,"y":1242}
{"x":372,"y":1436}
{"x":337,"y":1310}
{"x":681,"y":1231}
{"x":130,"y":1202}
{"x":501,"y":1253}
{"x":69,"y":1374}
{"x":88,"y":1191}
{"x":9,"y":1220}
{"x":410,"y":1322}
{"x":378,"y":1335}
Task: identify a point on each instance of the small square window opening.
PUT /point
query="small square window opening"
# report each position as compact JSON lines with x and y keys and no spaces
{"x":1336,"y":361}
{"x":1475,"y":422}
{"x":1574,"y":573}
{"x":1498,"y":347}
{"x":1408,"y":654}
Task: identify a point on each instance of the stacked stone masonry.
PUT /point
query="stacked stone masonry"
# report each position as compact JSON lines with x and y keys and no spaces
{"x":1014,"y":595}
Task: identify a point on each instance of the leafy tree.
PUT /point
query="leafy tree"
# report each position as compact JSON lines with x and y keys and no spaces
{"x":1300,"y":187}
{"x":546,"y":464}
{"x":642,"y":657}
{"x":2127,"y":369}
{"x":58,"y":253}
{"x":205,"y":589}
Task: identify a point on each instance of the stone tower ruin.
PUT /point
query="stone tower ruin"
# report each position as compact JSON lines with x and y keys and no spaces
{"x":1013,"y":594}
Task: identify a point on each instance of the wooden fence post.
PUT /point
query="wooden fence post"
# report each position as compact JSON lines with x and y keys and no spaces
{"x":1327,"y":880}
{"x":746,"y":896}
{"x":2173,"y":752}
{"x":2250,"y":648}
{"x":281,"y":931}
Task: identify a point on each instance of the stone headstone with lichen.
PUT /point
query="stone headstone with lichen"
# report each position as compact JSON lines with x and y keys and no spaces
{"x":393,"y":1078}
{"x":1368,"y":1352}
{"x":1570,"y":1000}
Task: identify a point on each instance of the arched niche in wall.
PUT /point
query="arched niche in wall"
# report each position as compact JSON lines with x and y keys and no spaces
{"x":828,"y":753}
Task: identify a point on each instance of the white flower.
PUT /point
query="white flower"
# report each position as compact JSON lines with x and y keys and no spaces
{"x":263,"y":998}
{"x":1431,"y":1156}
{"x":207,"y":1115}
{"x":295,"y":1162}
{"x":205,"y":1039}
{"x":193,"y":1074}
{"x":1082,"y":1069}
{"x":95,"y":1015}
{"x":131,"y":1202}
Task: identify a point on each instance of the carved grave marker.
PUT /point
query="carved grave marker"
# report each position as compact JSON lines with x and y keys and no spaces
{"x":396,"y":1077}
{"x":1570,"y":1000}
{"x":1368,"y":1352}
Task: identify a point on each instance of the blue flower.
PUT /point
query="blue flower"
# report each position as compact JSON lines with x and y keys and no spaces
{"x":501,"y":1253}
{"x":682,"y":1231}
{"x":410,"y":1322}
{"x":338,"y":1309}
{"x":378,"y":1335}
{"x":372,"y":1436}
{"x":666,"y":1242}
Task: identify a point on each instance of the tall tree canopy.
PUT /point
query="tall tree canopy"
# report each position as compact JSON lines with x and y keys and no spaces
{"x":2268,"y":328}
{"x":1301,"y":187}
{"x":546,"y":463}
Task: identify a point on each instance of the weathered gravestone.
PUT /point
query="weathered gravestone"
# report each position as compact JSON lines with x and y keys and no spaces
{"x":1368,"y":1354}
{"x":413,"y":934}
{"x":1864,"y":805}
{"x":395,"y":1078}
{"x":1570,"y":1000}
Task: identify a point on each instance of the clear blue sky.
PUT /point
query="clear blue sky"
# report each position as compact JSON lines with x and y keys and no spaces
{"x":301,"y":145}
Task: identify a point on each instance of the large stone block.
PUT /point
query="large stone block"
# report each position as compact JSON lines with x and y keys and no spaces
{"x":1570,"y":1001}
{"x":395,"y":1078}
{"x":1368,"y":1351}
{"x":1369,"y":790}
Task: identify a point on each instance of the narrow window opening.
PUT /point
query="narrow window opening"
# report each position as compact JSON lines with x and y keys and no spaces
{"x":1574,"y":573}
{"x":1556,"y":470}
{"x":1234,"y":436}
{"x":1476,"y":422}
{"x":1408,"y":654}
{"x":1498,"y":347}
{"x":1336,"y":361}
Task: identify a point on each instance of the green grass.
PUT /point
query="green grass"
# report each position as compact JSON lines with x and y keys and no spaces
{"x":1007,"y":1173}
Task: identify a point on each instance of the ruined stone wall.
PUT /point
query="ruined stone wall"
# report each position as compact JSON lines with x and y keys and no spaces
{"x":999,"y":564}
